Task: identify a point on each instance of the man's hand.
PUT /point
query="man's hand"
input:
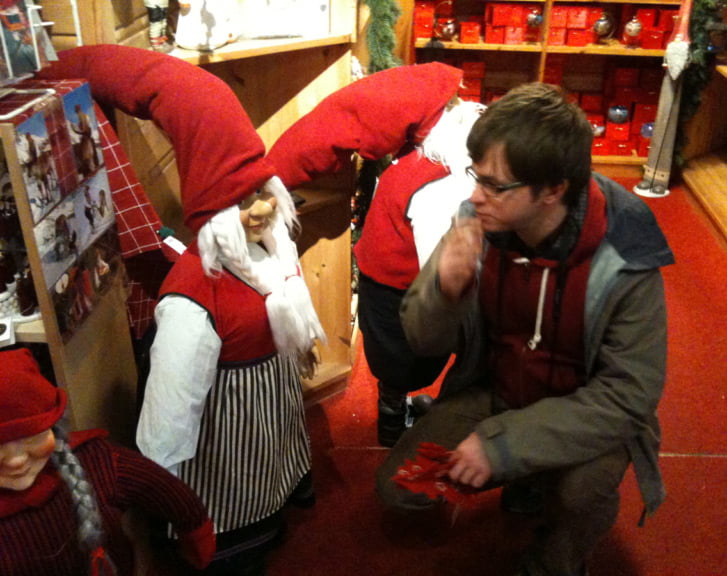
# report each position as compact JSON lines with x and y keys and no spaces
{"x":470,"y":464}
{"x":460,"y":258}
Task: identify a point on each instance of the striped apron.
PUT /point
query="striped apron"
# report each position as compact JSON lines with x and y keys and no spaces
{"x":253,"y":446}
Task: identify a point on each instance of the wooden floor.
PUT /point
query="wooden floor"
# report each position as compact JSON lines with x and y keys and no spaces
{"x":706,"y":178}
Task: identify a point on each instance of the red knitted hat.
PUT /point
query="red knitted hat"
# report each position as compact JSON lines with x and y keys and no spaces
{"x":29,"y":404}
{"x":374,"y":116}
{"x":220,"y":156}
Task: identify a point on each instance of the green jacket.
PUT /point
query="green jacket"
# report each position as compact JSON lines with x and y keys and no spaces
{"x":625,"y":347}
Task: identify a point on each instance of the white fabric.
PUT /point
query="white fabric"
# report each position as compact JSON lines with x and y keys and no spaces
{"x":431,"y":210}
{"x":183,"y":366}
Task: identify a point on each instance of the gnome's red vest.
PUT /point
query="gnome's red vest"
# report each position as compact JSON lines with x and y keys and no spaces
{"x":237,"y":311}
{"x":386,"y":251}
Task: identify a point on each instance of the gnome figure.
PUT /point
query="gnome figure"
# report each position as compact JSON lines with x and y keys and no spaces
{"x":235,"y":325}
{"x":158,"y":30}
{"x":73,"y":488}
{"x":414,"y":114}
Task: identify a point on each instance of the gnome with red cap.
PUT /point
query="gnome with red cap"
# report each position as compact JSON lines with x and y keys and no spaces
{"x":235,"y":325}
{"x":414,"y":114}
{"x":73,"y":489}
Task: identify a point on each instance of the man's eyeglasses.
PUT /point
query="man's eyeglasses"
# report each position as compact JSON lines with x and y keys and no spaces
{"x":489,"y":186}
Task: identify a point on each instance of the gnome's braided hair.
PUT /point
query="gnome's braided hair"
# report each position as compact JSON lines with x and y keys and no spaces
{"x":90,"y":524}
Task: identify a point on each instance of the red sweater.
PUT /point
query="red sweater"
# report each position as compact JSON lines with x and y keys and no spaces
{"x":39,"y":527}
{"x":556,"y":366}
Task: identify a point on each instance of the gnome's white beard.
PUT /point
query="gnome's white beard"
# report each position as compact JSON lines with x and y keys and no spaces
{"x":446,"y":143}
{"x":272,"y":270}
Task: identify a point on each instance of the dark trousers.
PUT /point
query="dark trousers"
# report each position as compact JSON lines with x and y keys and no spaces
{"x":581,"y":501}
{"x":387,"y":351}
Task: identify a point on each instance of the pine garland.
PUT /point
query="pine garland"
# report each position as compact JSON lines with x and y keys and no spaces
{"x":698,"y":74}
{"x":381,"y":36}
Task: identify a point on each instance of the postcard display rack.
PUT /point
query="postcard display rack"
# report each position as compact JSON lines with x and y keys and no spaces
{"x":51,"y":158}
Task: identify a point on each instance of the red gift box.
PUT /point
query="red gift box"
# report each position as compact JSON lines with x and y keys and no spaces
{"x":667,"y":19}
{"x":651,"y":78}
{"x":647,"y":17}
{"x":644,"y":113}
{"x":495,"y":34}
{"x":444,"y":7}
{"x":507,"y":15}
{"x":592,"y":101}
{"x":423,"y":10}
{"x":573,"y":98}
{"x":649,"y":96}
{"x":580,"y":37}
{"x":422,"y":30}
{"x":626,"y":77}
{"x":471,"y":86}
{"x":626,"y":95}
{"x":514,"y":35}
{"x":622,"y":147}
{"x":469,"y":32}
{"x":473,"y":69}
{"x":652,"y":39}
{"x":643,"y":146}
{"x":601,"y":147}
{"x":618,"y":132}
{"x":559,"y":17}
{"x":594,"y":13}
{"x":556,"y":36}
{"x":577,"y":17}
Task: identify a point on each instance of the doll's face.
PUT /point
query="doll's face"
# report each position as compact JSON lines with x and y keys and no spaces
{"x":256,"y":211}
{"x":22,"y":460}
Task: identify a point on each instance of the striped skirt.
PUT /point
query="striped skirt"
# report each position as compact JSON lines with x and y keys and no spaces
{"x":253,"y":446}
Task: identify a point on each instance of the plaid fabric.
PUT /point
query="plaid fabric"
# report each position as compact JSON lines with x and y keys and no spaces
{"x":147,"y":259}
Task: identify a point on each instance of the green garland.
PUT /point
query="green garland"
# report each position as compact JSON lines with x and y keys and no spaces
{"x":381,"y":36}
{"x":699,"y":72}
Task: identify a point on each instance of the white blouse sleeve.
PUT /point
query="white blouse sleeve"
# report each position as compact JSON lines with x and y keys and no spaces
{"x":184,"y":358}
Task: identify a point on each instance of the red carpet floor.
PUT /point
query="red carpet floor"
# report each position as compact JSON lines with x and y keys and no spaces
{"x":345,"y":532}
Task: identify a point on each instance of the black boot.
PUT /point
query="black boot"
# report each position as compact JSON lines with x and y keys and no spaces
{"x":392,"y":415}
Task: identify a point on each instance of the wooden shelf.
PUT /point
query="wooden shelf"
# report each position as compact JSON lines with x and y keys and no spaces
{"x":30,"y":332}
{"x":330,"y":379}
{"x":484,"y":46}
{"x":253,"y":48}
{"x":706,"y":176}
{"x":669,"y":2}
{"x":632,"y":160}
{"x":610,"y":48}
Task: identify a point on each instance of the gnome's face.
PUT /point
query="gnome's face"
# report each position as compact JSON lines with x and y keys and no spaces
{"x":256,"y":213}
{"x":22,"y":460}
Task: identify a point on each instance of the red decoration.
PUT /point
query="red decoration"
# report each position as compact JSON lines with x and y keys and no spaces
{"x":428,"y":474}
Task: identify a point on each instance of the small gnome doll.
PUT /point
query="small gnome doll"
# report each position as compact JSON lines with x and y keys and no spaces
{"x":158,"y":11}
{"x":235,"y":325}
{"x":414,"y":114}
{"x":62,"y":495}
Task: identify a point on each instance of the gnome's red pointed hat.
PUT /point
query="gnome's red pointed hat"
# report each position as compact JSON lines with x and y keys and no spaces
{"x":374,"y":116}
{"x":29,"y":404}
{"x":220,"y":156}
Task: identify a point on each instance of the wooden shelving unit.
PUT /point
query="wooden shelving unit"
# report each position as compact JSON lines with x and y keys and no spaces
{"x":705,"y":168}
{"x":526,"y":61}
{"x":277,"y":81}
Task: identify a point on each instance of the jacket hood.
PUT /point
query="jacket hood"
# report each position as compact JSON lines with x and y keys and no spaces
{"x":632,"y":229}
